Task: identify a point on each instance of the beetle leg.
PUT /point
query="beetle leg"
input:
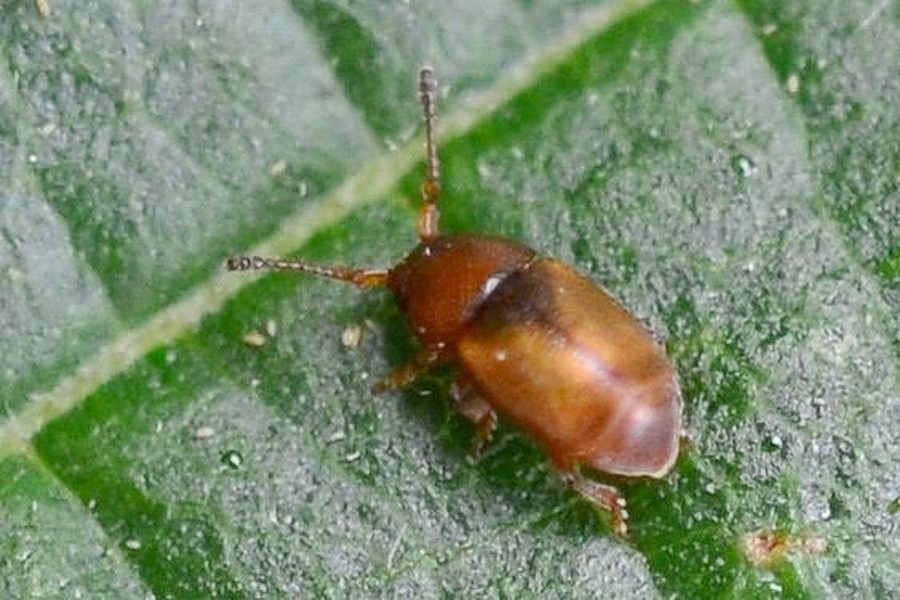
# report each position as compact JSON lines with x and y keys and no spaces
{"x":685,"y":441}
{"x":605,"y":496}
{"x":475,"y":408}
{"x":408,"y":372}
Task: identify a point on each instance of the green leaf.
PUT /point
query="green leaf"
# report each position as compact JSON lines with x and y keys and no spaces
{"x":728,"y":169}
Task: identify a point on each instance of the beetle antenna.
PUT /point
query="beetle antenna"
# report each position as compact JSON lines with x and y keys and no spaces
{"x":431,"y":187}
{"x":364,"y":278}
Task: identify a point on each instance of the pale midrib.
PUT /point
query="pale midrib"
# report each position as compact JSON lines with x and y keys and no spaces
{"x":374,"y":180}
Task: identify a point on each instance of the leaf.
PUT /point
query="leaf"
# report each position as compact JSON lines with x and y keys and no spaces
{"x":729,"y":170}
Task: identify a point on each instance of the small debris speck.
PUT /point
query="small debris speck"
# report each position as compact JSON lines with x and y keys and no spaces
{"x":351,"y":336}
{"x":132,"y":544}
{"x":43,"y":7}
{"x":769,"y":28}
{"x":763,"y":548}
{"x":278,"y":168}
{"x":271,"y":328}
{"x":254,"y":339}
{"x":793,"y":84}
{"x":204,"y":433}
{"x":337,"y":436}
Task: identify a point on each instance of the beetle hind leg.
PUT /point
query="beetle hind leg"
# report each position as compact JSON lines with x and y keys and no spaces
{"x":475,"y":408}
{"x":605,"y":496}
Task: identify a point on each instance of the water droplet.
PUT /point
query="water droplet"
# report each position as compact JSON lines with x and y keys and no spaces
{"x":233,"y":459}
{"x":743,"y":165}
{"x":772,"y":443}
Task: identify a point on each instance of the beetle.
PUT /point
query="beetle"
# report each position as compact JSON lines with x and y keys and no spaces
{"x":534,"y":342}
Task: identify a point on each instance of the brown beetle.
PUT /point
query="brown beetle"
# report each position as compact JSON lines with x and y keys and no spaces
{"x":534,"y":342}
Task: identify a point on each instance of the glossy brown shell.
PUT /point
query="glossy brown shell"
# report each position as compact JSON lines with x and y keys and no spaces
{"x":549,"y":350}
{"x":556,"y":355}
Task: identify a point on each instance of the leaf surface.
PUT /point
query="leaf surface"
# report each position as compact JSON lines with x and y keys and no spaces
{"x":728,"y":169}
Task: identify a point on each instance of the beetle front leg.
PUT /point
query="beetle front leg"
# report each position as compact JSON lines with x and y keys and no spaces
{"x":475,"y":408}
{"x":408,"y":372}
{"x":599,"y":494}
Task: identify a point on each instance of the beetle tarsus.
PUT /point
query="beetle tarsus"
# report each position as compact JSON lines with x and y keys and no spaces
{"x":475,"y":408}
{"x":605,"y":496}
{"x":484,"y":433}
